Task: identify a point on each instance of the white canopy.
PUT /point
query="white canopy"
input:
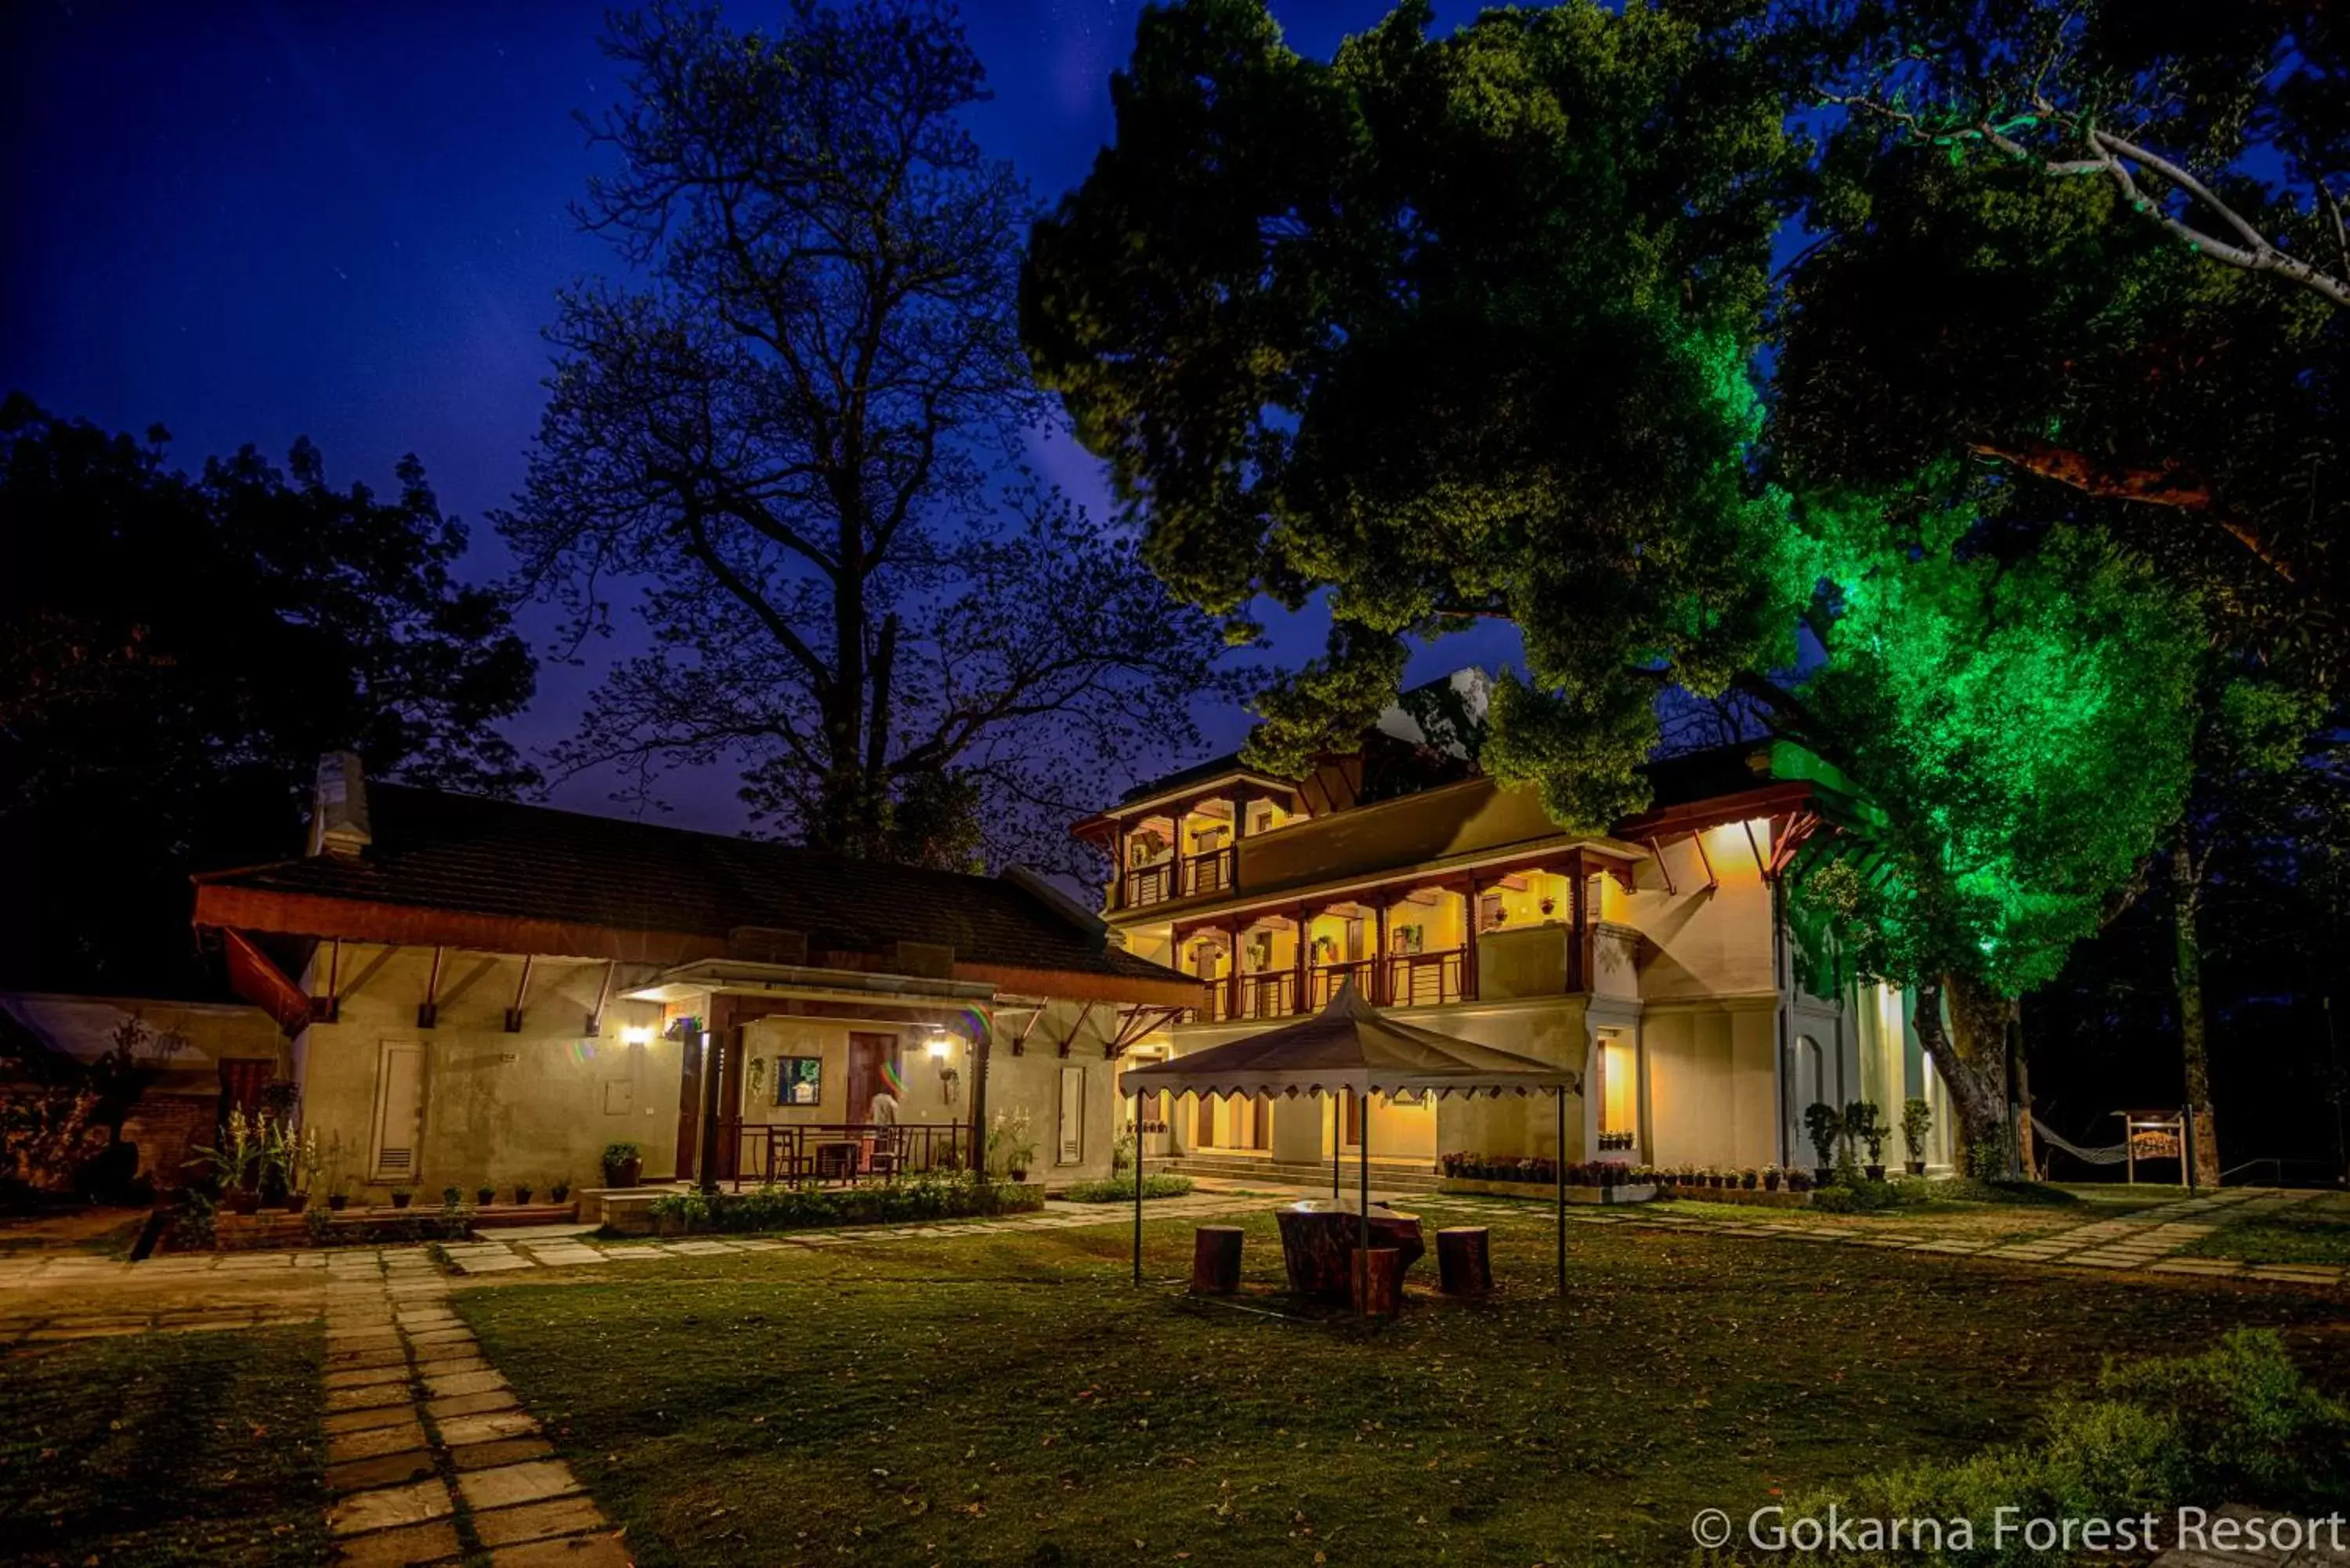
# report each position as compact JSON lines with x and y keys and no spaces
{"x":1349,"y":1045}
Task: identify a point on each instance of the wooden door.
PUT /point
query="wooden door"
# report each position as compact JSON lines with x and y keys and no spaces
{"x":242,"y":1080}
{"x":873,"y":1066}
{"x":399,"y":1112}
{"x":1207,"y":1122}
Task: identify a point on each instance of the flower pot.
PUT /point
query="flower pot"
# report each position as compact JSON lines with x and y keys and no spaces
{"x":625,"y":1173}
{"x":399,"y":1200}
{"x":1770,"y":1183}
{"x":338,"y":1201}
{"x":1916,"y":1168}
{"x":1873,"y":1172}
{"x":1018,"y":1173}
{"x":244,"y":1202}
{"x":296,"y":1201}
{"x":562,"y":1193}
{"x":522,"y":1195}
{"x":485,"y":1196}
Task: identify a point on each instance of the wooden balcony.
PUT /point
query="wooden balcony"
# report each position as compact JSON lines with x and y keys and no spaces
{"x":1425,"y":979}
{"x":1325,"y":980}
{"x":1191,"y":877}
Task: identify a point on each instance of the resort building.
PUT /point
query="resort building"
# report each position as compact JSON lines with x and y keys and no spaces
{"x":1655,"y":959}
{"x":485,"y":992}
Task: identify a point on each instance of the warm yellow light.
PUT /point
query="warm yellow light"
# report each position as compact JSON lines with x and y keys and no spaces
{"x":938,"y":1048}
{"x":637,"y":1034}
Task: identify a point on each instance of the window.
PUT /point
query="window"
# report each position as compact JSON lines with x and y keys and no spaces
{"x":799,"y":1080}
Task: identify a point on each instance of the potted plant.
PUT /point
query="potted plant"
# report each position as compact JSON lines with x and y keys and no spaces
{"x":1865,"y":1124}
{"x":1917,"y":1123}
{"x":337,"y":1198}
{"x":522,"y":1192}
{"x":1799,"y":1180}
{"x":1771,"y":1178}
{"x":401,"y":1195}
{"x":1011,"y":1140}
{"x":561,"y":1190}
{"x":450,"y":1197}
{"x":1549,"y":904}
{"x":1747,"y":1180}
{"x":1824,"y":1126}
{"x":624,"y":1162}
{"x":485,"y":1195}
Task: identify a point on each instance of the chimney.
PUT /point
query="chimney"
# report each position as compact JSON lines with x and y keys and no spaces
{"x":338,"y":813}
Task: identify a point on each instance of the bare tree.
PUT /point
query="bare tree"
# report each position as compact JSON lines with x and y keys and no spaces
{"x":799,"y":435}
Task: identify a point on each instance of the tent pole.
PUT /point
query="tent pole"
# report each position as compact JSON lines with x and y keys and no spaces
{"x":1333,"y":1144}
{"x":1137,"y":1185}
{"x":1559,"y":1169}
{"x":1363,"y":1187}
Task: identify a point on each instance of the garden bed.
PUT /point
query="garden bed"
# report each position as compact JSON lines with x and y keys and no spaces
{"x":818,"y":1207}
{"x":1548,"y":1191}
{"x":273,"y":1230}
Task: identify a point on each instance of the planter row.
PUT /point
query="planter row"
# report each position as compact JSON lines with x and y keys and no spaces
{"x":1547,"y":1192}
{"x":277,"y":1229}
{"x":1753,"y":1196}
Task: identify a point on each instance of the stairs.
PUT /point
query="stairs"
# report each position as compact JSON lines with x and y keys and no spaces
{"x":1386,"y":1176}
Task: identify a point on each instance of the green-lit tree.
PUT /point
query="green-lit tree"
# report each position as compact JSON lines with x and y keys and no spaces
{"x":2014,"y":718}
{"x":1444,"y":328}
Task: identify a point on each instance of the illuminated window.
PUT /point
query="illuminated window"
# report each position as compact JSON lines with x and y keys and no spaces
{"x":1619,"y":1093}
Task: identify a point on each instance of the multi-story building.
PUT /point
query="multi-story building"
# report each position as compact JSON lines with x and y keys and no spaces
{"x":1656,"y":958}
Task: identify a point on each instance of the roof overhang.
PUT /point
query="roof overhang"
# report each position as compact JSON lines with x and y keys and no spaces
{"x":736,"y":977}
{"x":1157,"y":801}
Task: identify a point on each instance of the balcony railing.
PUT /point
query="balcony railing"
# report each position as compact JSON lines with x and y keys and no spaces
{"x":1210,"y":872}
{"x":1272,"y":995}
{"x":846,"y":1151}
{"x":1425,"y":979}
{"x":1326,"y":980}
{"x":1148,"y":885}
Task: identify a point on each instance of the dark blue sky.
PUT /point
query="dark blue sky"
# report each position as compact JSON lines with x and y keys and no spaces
{"x":253,"y":221}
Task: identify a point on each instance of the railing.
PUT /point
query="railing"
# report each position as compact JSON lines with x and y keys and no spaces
{"x":1326,"y":980}
{"x":1148,"y":885}
{"x":1215,"y":1002}
{"x":1211,"y":872}
{"x":847,"y":1151}
{"x":1426,"y":979}
{"x":1272,"y":995}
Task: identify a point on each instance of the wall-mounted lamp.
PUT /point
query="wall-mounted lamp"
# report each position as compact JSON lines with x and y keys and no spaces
{"x":940,"y":1045}
{"x":637,"y":1034}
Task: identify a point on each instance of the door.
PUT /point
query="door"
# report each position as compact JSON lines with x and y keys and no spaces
{"x":688,"y":1104}
{"x":873,"y":1067}
{"x":1207,"y":1122}
{"x":399,"y":1112}
{"x":1069,"y":1145}
{"x":242,"y":1079}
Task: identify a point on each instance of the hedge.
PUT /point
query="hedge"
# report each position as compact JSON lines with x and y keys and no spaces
{"x":959,"y":1195}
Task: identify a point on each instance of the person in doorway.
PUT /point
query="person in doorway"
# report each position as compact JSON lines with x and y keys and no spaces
{"x":883,"y":1110}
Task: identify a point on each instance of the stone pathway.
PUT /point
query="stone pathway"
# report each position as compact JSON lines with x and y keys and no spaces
{"x":429,"y":1454}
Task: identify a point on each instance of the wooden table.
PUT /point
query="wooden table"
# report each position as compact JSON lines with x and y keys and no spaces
{"x":1319,"y":1235}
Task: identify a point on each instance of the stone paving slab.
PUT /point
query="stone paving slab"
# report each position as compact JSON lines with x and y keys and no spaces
{"x":388,"y":1506}
{"x":534,"y":1481}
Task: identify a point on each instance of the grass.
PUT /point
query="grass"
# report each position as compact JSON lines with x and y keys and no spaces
{"x":1011,"y":1399}
{"x":2316,"y":1231}
{"x":164,"y":1448}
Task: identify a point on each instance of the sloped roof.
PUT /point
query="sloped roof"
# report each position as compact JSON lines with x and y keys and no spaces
{"x":548,"y":867}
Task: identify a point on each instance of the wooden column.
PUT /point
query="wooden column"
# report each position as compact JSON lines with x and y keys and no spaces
{"x":1469,"y":895}
{"x":1578,"y":904}
{"x":1379,"y":988}
{"x":1233,"y":936}
{"x":1302,"y":957}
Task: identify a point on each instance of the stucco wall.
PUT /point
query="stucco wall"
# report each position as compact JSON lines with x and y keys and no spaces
{"x":1712,"y":1090}
{"x":498,"y":1108}
{"x":1703,"y":940}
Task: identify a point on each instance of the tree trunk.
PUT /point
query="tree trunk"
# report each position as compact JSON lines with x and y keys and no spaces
{"x":2187,"y":973}
{"x":1971,"y":1056}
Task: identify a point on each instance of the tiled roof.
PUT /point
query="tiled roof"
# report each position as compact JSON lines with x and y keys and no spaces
{"x":505,"y":859}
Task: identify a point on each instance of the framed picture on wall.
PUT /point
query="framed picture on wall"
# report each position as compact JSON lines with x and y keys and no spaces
{"x":799,"y":1080}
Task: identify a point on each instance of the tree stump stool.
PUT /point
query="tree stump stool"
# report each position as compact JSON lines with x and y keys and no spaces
{"x":1216,"y":1260}
{"x":1378,"y":1281}
{"x":1464,"y":1267}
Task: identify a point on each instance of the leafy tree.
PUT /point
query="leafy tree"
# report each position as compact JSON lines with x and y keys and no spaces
{"x":2006,"y":271}
{"x":2016,"y":718}
{"x":177,"y":652}
{"x":1444,"y":328}
{"x":794,"y":434}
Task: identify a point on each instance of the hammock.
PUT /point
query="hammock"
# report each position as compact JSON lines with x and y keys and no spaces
{"x":2113,"y":1154}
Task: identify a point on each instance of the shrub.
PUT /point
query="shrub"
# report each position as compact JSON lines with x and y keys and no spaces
{"x":925,"y":1197}
{"x":1120,"y":1190}
{"x":1824,"y":1126}
{"x":1855,"y":1194}
{"x":2235,"y":1423}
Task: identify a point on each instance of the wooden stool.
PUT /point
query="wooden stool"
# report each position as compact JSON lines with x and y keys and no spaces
{"x":1378,"y":1281}
{"x":1463,"y":1266}
{"x":1216,"y":1260}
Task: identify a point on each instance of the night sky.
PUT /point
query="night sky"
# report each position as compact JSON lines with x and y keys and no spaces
{"x":249,"y":222}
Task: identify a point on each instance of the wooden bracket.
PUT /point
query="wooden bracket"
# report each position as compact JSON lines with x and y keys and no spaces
{"x":522,"y":994}
{"x":1084,"y":1013}
{"x":1711,"y":881}
{"x":1134,"y":1023}
{"x":1656,"y":853}
{"x":325,"y":1009}
{"x":603,"y":995}
{"x":428,"y":1011}
{"x":1020,"y":1040}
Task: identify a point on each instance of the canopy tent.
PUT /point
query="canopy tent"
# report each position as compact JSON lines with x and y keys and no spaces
{"x":1349,"y":1045}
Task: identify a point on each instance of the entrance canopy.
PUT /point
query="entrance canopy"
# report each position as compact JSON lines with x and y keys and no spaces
{"x":1349,"y":1045}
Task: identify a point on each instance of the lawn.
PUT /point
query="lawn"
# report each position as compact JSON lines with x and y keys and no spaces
{"x":1011,"y":1399}
{"x":164,"y":1448}
{"x":2314,"y":1231}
